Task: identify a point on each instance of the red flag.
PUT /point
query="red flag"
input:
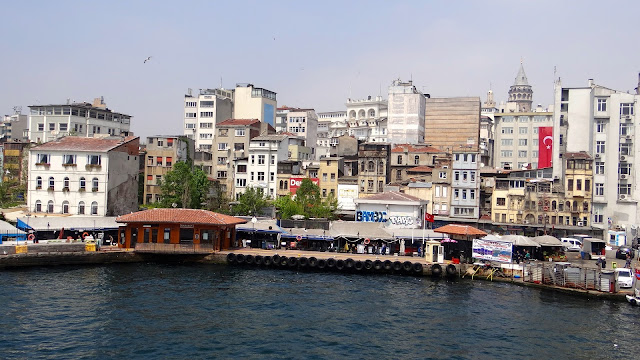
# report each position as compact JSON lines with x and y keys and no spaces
{"x":545,"y":146}
{"x":428,"y":217}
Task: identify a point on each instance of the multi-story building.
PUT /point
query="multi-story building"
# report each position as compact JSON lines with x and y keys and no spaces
{"x":441,"y":188}
{"x":516,"y":145}
{"x":325,"y":119}
{"x":49,"y":122}
{"x":366,"y":120}
{"x":330,"y":170}
{"x":465,"y":185}
{"x":406,"y":156}
{"x":405,"y":114}
{"x":252,"y":102}
{"x":162,"y":153}
{"x":304,"y":123}
{"x":93,"y":176}
{"x":602,"y":122}
{"x":14,"y":127}
{"x":453,"y":123}
{"x":265,"y":152}
{"x":374,"y":160}
{"x":231,"y":143}
{"x":15,"y":161}
{"x":203,"y":111}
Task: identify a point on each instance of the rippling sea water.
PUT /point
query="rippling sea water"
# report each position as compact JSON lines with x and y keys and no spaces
{"x":169,"y":311}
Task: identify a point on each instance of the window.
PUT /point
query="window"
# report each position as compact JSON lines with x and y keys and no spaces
{"x":242,"y":169}
{"x":506,"y":142}
{"x":501,"y":201}
{"x":522,"y":153}
{"x":40,"y":127}
{"x":465,"y":175}
{"x":190,"y":104}
{"x":472,"y":194}
{"x":371,"y":166}
{"x":221,"y":132}
{"x":65,"y":183}
{"x":43,"y":159}
{"x":68,"y":159}
{"x":238,"y":146}
{"x":600,"y":126}
{"x":94,"y":184}
{"x":239,"y":132}
{"x":222,"y":146}
{"x":241,"y":182}
{"x":159,"y":161}
{"x":206,"y":114}
{"x":324,"y":192}
{"x":81,"y":208}
{"x":626,"y":109}
{"x":456,"y":175}
{"x":222,"y":160}
{"x":473,"y":176}
{"x":190,"y":115}
{"x":222,"y":174}
{"x":506,"y":153}
{"x":507,"y":130}
{"x":624,"y":189}
{"x":65,"y":207}
{"x":602,"y":104}
{"x":442,"y":175}
{"x":50,"y":206}
{"x":94,"y":160}
{"x":333,"y":176}
{"x":82,"y":183}
{"x":252,"y":176}
{"x":399,"y":159}
{"x":578,"y":185}
{"x":523,"y":130}
{"x":52,"y":126}
{"x":624,"y":168}
{"x":456,"y":194}
{"x":599,"y":189}
{"x":260,"y":175}
{"x":599,"y":168}
{"x":600,"y":147}
{"x":94,"y":208}
{"x":169,"y":161}
{"x":272,"y":176}
{"x":261,"y":159}
{"x":38,"y":207}
{"x":206,"y":103}
{"x":273,"y":159}
{"x":51,"y":183}
{"x":522,"y":142}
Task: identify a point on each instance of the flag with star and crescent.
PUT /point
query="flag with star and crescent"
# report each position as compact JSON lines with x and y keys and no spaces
{"x":545,"y":146}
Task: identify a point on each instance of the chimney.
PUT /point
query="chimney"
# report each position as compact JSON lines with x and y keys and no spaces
{"x":591,"y":83}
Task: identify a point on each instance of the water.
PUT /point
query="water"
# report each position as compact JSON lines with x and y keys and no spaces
{"x":206,"y":311}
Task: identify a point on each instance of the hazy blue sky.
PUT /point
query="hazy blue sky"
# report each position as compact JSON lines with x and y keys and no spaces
{"x":313,"y":54}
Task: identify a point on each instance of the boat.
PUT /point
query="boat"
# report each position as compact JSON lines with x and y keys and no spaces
{"x":633,"y":300}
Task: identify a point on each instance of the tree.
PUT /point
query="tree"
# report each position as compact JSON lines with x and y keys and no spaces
{"x":184,"y":186}
{"x":287,"y":207}
{"x":308,"y":203}
{"x":217,"y":200}
{"x":251,"y":202}
{"x":308,"y":196}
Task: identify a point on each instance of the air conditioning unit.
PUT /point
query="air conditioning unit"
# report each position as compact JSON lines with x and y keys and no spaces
{"x":624,"y":176}
{"x":628,"y":137}
{"x":580,"y":223}
{"x":627,"y":118}
{"x":623,"y":197}
{"x":597,"y":156}
{"x":623,"y":158}
{"x":526,"y":221}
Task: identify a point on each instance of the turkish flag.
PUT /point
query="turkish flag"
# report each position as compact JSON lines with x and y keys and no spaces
{"x":428,"y":217}
{"x":545,"y":146}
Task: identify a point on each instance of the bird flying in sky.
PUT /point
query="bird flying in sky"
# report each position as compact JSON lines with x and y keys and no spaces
{"x":147,"y":59}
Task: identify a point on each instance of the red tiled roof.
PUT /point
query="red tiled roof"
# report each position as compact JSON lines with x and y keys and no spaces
{"x":238,"y":122}
{"x":415,"y":149}
{"x":577,"y":155}
{"x":422,"y":168}
{"x":182,"y":216}
{"x":77,"y":143}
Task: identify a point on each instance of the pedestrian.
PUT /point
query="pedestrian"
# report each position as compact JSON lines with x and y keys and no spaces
{"x":527,"y":255}
{"x":627,"y":264}
{"x":384,"y":249}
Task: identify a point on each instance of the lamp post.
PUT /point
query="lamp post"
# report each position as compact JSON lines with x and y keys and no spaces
{"x":254,"y":220}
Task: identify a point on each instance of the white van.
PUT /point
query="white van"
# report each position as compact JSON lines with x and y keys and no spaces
{"x":571,"y":244}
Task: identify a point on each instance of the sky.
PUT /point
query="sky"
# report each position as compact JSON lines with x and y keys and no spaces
{"x":312,"y":54}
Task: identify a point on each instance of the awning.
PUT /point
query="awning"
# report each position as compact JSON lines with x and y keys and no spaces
{"x":547,"y":240}
{"x":519,"y":240}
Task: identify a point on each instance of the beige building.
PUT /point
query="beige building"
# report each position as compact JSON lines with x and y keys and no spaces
{"x":374,"y":159}
{"x":252,"y":102}
{"x":516,"y":139}
{"x":453,"y":123}
{"x":329,"y":171}
{"x":162,"y":152}
{"x":405,"y":158}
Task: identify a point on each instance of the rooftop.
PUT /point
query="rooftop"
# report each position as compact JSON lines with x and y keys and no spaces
{"x":180,"y":216}
{"x":415,"y":149}
{"x":238,"y":122}
{"x":76,"y":143}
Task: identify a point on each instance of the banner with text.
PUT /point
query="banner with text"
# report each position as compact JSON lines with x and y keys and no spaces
{"x":294,"y":183}
{"x":492,"y":250}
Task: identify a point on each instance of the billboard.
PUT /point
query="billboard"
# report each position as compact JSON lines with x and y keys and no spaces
{"x":294,"y":183}
{"x":492,"y":250}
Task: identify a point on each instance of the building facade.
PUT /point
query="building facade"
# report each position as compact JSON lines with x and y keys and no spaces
{"x":203,"y":111}
{"x":265,"y":152}
{"x":465,"y":185}
{"x":162,"y":153}
{"x":453,"y":123}
{"x":84,"y":176}
{"x":252,"y":102}
{"x":374,"y":160}
{"x":406,"y":114}
{"x":516,"y":145}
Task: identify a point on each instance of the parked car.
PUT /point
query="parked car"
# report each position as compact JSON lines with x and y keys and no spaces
{"x":622,"y":252}
{"x":571,"y":244}
{"x":624,"y":277}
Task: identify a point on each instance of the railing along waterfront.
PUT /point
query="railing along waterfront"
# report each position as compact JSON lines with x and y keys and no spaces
{"x":174,"y":248}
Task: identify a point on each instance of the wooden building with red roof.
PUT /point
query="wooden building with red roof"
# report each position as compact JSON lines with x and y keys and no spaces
{"x":177,"y":230}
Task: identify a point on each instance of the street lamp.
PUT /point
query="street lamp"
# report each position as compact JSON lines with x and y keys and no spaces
{"x":254,"y":220}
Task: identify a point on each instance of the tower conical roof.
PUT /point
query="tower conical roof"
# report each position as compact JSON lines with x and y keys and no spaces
{"x":521,"y":78}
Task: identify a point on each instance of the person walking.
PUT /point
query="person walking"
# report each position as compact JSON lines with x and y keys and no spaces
{"x":627,"y":264}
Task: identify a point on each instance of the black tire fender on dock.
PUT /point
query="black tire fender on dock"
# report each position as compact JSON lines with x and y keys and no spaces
{"x":368,"y":265}
{"x":293,"y":261}
{"x":451,"y":270}
{"x":340,"y":264}
{"x":349,"y":263}
{"x":267,"y":261}
{"x":397,"y":266}
{"x":313,"y":262}
{"x":249,"y":259}
{"x":359,"y":265}
{"x":436,"y":270}
{"x":275,"y":259}
{"x":407,"y":266}
{"x":331,"y":263}
{"x":259,"y":260}
{"x":303,"y":261}
{"x":240,"y":259}
{"x":377,"y":265}
{"x":284,"y":261}
{"x":418,"y":268}
{"x":322,"y":263}
{"x":388,"y":265}
{"x":231,"y":258}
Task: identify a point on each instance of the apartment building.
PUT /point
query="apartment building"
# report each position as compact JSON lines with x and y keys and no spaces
{"x":517,"y":143}
{"x":453,"y":123}
{"x":252,"y":102}
{"x":406,"y":114}
{"x":203,"y":111}
{"x":465,"y":185}
{"x":374,"y":160}
{"x":163,"y":151}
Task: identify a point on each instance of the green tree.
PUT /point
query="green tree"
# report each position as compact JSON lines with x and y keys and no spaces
{"x":251,"y":202}
{"x":217,"y":200}
{"x":287,"y":207}
{"x":307,"y":202}
{"x":308,"y":196}
{"x":184,"y":186}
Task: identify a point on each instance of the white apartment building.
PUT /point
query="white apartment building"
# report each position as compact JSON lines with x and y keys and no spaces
{"x":406,"y":114}
{"x":241,"y":175}
{"x":516,"y":139}
{"x":366,"y":120}
{"x":465,"y":186}
{"x":84,"y":176}
{"x":48,"y":122}
{"x":265,"y":152}
{"x":14,"y":127}
{"x":325,"y":120}
{"x":602,"y":122}
{"x":304,"y":123}
{"x":203,"y":111}
{"x":252,"y":102}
